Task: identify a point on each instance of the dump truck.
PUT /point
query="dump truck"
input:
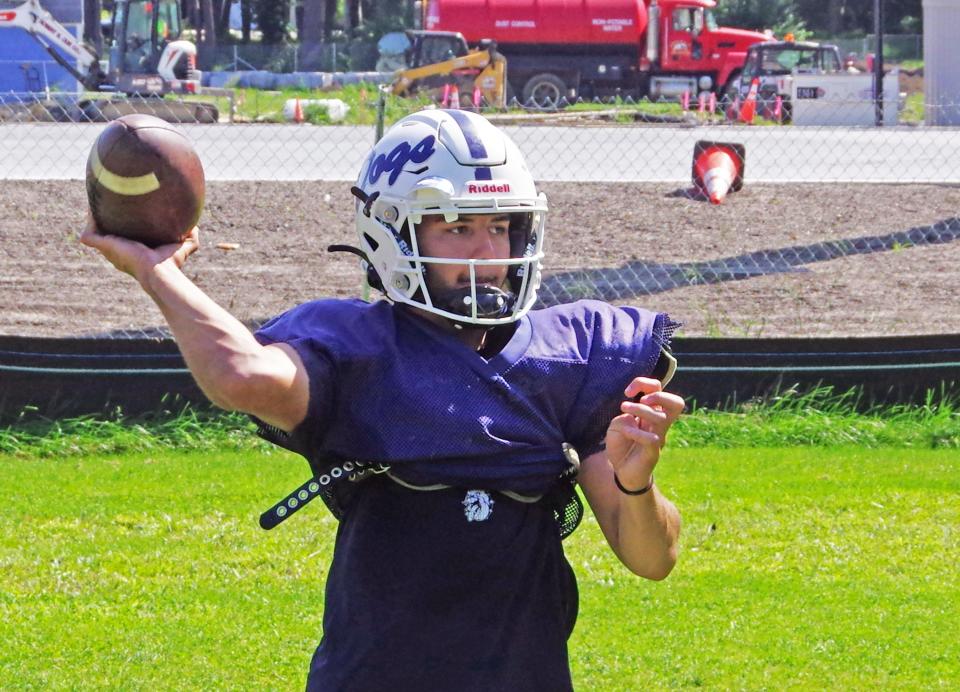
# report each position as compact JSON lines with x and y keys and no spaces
{"x":569,"y":49}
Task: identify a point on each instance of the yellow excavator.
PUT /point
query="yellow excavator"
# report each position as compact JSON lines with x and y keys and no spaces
{"x":439,"y":60}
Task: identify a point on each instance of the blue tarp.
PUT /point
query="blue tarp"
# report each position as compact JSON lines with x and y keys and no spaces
{"x":261,"y":79}
{"x":26,"y":67}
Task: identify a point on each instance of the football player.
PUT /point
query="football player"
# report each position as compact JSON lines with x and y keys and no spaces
{"x":447,"y":424}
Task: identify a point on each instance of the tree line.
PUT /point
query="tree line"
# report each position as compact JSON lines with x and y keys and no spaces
{"x":828,"y":18}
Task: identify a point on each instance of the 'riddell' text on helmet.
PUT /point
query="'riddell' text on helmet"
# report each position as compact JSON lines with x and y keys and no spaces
{"x":476,"y":188}
{"x":449,"y":163}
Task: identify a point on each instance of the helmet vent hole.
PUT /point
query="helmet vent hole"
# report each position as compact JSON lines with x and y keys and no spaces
{"x":371,"y":242}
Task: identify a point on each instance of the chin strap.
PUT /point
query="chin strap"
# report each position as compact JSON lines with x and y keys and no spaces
{"x":351,"y":249}
{"x":373,"y":278}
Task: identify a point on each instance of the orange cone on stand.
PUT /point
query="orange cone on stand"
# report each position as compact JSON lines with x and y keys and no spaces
{"x":749,"y":107}
{"x":718,"y":168}
{"x":297,"y":112}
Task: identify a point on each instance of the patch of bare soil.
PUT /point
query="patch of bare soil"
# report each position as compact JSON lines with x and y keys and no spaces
{"x":773,"y":260}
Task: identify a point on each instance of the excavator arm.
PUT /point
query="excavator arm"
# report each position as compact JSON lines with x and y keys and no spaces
{"x":147,"y":85}
{"x":48,"y":32}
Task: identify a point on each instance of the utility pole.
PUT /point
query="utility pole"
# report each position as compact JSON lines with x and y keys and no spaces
{"x":878,"y":61}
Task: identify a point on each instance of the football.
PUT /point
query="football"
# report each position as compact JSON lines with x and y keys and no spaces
{"x":144,"y":181}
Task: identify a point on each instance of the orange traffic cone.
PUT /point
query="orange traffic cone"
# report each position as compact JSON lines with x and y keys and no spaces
{"x":297,"y":112}
{"x":718,"y":168}
{"x":454,"y":97}
{"x":749,"y":108}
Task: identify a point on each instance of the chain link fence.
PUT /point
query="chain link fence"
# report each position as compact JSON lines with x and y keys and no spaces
{"x":362,"y":54}
{"x":327,"y":56}
{"x":841,"y":227}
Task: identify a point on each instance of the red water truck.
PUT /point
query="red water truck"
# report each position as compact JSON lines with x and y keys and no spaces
{"x":557,"y":49}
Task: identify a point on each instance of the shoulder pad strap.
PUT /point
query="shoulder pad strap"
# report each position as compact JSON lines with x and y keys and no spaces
{"x":666,"y":366}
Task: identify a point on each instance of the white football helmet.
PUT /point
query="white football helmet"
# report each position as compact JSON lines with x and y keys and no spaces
{"x":448,"y":162}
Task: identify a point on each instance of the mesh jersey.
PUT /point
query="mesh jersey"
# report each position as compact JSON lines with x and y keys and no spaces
{"x":445,"y":590}
{"x":455,"y":588}
{"x":387,"y":386}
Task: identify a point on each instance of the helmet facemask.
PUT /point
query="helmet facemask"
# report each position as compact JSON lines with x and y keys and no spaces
{"x":480,"y":301}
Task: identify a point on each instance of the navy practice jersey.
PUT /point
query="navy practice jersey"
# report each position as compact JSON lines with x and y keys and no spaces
{"x":461,"y":588}
{"x":452,"y":589}
{"x":387,"y":386}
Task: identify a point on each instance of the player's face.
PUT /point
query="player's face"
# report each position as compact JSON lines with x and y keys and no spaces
{"x":477,"y":236}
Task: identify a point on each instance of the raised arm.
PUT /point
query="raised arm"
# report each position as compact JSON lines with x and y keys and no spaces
{"x":231,"y":367}
{"x":640,"y":524}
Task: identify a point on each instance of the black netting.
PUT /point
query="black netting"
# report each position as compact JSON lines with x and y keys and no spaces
{"x":566,"y":504}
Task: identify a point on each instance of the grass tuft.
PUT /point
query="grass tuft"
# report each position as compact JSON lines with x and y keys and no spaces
{"x":819,"y":418}
{"x":824,"y":417}
{"x":190,"y":429}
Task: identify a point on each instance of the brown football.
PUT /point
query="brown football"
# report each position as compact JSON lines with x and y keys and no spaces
{"x":144,"y":181}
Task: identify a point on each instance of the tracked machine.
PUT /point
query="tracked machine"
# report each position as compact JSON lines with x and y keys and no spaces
{"x":437,"y":59}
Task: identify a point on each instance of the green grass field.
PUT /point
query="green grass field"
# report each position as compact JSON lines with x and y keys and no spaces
{"x":253,"y":105}
{"x":821,"y":555}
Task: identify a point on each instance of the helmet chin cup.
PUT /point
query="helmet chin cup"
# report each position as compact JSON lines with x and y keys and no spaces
{"x":491,"y":302}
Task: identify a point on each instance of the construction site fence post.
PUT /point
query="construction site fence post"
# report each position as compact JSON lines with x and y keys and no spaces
{"x":381,"y":108}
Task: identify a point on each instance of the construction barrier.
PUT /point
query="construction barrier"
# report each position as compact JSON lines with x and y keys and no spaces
{"x":60,"y":378}
{"x":842,"y":100}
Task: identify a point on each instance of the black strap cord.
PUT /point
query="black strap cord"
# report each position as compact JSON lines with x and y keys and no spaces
{"x":352,"y":471}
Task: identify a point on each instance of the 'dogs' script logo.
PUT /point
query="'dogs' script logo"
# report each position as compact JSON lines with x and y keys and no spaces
{"x":400,"y":156}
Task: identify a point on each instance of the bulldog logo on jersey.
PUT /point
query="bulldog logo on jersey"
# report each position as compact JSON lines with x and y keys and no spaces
{"x":477,"y":505}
